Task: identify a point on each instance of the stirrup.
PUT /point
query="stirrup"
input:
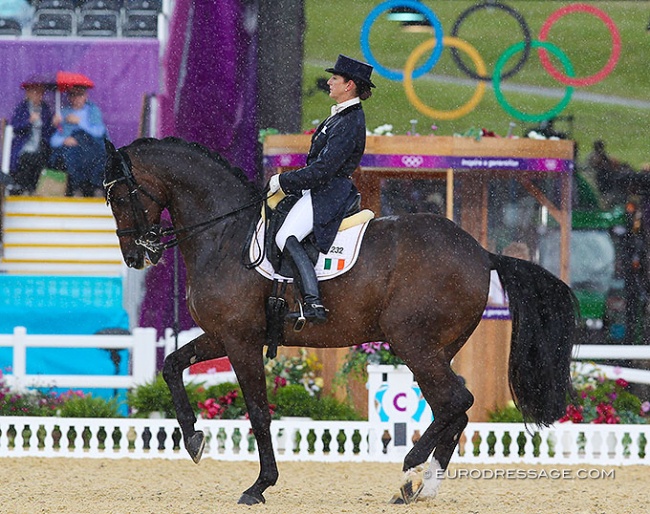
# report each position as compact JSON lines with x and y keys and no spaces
{"x":301,"y":318}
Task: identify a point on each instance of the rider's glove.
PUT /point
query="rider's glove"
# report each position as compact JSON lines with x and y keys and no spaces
{"x":274,"y":184}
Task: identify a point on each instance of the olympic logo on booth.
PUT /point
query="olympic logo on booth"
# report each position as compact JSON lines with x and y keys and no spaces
{"x":412,"y":161}
{"x":439,"y":41}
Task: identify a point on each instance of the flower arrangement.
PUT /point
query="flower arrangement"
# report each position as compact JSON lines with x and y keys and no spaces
{"x":363,"y":354}
{"x":602,"y":400}
{"x":598,"y":400}
{"x":69,"y":404}
{"x":27,"y":403}
{"x":227,"y":406}
{"x":303,"y":369}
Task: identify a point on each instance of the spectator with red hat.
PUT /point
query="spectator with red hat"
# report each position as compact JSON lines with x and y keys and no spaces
{"x":30,"y":147}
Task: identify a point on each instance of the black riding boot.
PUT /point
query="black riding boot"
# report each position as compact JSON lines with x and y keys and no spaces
{"x":307,"y":283}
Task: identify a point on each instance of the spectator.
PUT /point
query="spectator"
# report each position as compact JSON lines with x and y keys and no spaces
{"x":78,"y":144}
{"x":30,"y":147}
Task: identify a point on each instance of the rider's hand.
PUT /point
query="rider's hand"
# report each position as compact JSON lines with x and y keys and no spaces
{"x":274,"y":184}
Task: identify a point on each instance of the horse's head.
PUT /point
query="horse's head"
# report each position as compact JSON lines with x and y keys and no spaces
{"x":136,"y":207}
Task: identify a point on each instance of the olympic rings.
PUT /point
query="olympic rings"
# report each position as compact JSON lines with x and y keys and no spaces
{"x":371,"y":18}
{"x":437,"y":43}
{"x":516,"y":16}
{"x":452,"y":42}
{"x":613,"y":58}
{"x":517,"y":47}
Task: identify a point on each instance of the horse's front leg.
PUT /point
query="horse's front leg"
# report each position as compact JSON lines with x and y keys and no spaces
{"x":248,"y":365}
{"x":200,"y":349}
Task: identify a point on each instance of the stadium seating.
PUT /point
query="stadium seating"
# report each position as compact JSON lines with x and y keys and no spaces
{"x":140,"y":24}
{"x":53,"y":22}
{"x":10,"y":27}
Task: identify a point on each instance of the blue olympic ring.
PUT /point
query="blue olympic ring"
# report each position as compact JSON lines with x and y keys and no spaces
{"x":372,"y":17}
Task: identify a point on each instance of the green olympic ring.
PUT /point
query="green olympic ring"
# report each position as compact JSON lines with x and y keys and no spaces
{"x":518,"y":47}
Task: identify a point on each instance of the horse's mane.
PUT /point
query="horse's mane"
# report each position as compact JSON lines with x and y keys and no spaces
{"x":202,"y":149}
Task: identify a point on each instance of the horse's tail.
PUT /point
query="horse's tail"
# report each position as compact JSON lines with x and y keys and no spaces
{"x":544,"y":314}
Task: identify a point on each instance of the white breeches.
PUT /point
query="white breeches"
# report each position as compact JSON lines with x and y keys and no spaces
{"x":299,"y":221}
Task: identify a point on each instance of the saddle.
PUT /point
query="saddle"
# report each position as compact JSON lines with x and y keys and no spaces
{"x":265,"y":257}
{"x":276,"y":212}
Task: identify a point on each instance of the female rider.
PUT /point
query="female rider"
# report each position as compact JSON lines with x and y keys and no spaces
{"x":324,"y":185}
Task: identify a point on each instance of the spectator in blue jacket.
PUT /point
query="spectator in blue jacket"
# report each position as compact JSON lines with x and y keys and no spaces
{"x":78,"y":144}
{"x":30,"y":147}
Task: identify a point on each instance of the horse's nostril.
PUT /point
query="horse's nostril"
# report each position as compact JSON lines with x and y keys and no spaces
{"x":133,"y":261}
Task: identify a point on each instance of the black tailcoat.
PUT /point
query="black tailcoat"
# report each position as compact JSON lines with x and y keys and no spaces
{"x":336,"y":150}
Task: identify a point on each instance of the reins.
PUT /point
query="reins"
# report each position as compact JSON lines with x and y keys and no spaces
{"x":204,"y":225}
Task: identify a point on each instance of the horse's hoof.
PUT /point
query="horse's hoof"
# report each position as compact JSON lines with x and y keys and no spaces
{"x":411,"y":493}
{"x":249,"y":499}
{"x":195,"y":445}
{"x":397,"y":500}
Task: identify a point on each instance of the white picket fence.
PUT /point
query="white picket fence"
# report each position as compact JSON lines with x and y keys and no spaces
{"x":294,"y":439}
{"x":141,"y":344}
{"x":319,"y":441}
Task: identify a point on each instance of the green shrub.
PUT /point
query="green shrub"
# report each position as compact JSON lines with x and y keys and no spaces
{"x":218,"y":390}
{"x":155,"y":396}
{"x":330,"y":408}
{"x":507,"y":414}
{"x":89,"y":407}
{"x":293,"y":400}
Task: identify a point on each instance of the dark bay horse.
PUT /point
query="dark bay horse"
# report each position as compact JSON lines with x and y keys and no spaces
{"x":421,"y":283}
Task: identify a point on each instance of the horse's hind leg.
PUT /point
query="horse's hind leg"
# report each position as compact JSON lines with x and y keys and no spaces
{"x":449,"y":399}
{"x":200,"y":349}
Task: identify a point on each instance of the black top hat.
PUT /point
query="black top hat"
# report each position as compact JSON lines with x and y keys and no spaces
{"x":356,"y":70}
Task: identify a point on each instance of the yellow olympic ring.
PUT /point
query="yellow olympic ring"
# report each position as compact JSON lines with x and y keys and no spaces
{"x":421,"y":106}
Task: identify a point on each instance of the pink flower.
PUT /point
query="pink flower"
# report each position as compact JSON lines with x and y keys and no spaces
{"x":621,"y":382}
{"x":645,"y":407}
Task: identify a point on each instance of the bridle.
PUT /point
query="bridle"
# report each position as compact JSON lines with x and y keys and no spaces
{"x":150,"y":236}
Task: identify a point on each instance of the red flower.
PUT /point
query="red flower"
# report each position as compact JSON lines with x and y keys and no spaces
{"x":606,"y":415}
{"x":573,"y":414}
{"x":279,"y":382}
{"x":621,"y":382}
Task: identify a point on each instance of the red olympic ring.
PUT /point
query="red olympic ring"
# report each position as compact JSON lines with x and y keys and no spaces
{"x":611,"y":63}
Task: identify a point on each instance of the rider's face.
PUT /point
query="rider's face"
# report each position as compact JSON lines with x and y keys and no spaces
{"x":340,"y":88}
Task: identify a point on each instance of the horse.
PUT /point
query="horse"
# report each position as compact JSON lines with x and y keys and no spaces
{"x":420,"y":283}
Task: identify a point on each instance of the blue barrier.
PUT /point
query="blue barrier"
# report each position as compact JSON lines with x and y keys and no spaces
{"x":64,"y":305}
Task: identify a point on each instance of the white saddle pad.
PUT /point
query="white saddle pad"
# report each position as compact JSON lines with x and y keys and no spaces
{"x":340,"y":258}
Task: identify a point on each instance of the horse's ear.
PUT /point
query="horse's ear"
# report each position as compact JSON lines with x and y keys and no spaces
{"x":110,"y":148}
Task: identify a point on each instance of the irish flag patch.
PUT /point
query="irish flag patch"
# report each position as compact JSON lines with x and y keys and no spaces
{"x":334,"y":264}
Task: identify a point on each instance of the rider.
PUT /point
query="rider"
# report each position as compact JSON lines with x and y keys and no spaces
{"x":324,"y":185}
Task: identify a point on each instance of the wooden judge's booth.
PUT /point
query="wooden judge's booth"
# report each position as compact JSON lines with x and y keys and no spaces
{"x":472,"y":182}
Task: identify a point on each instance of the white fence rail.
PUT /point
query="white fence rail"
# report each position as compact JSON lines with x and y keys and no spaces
{"x":318,"y":441}
{"x":591,"y":352}
{"x":141,"y":344}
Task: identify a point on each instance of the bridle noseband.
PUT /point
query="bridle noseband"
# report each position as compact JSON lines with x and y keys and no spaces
{"x":146,"y":235}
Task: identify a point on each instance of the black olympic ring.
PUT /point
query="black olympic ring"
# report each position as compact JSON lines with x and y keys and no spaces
{"x":524,"y":28}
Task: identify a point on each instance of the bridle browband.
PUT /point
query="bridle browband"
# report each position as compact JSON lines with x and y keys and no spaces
{"x":149,"y":236}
